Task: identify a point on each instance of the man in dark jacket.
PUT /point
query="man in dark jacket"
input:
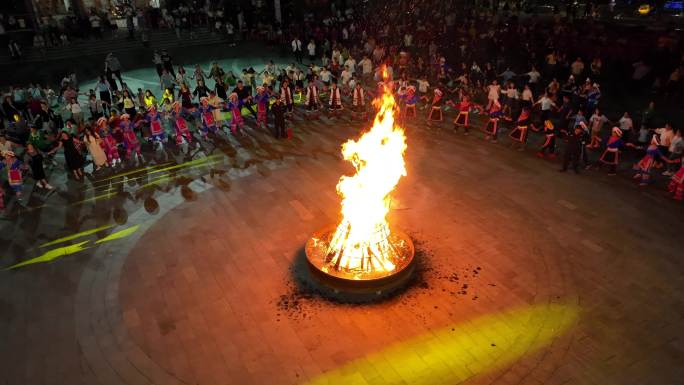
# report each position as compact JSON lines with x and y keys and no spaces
{"x":279,"y":109}
{"x":245,"y":95}
{"x":573,"y":149}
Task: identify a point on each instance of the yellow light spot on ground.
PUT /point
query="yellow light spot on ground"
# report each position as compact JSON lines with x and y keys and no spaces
{"x":77,"y":235}
{"x":448,"y":356}
{"x":194,"y":162}
{"x":119,"y":234}
{"x":52,"y":254}
{"x":134,"y":171}
{"x":156,"y":181}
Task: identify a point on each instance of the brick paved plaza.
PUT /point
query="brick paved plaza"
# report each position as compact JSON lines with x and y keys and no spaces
{"x":195,"y":272}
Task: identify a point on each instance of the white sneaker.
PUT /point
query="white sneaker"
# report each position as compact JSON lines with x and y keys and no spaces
{"x":48,"y":186}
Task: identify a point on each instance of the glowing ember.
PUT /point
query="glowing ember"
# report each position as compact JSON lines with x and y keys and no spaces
{"x":362,"y":243}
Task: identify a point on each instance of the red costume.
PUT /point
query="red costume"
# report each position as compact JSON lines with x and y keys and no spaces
{"x":676,"y":185}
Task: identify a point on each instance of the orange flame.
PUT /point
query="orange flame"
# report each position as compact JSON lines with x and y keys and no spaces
{"x":361,"y":242}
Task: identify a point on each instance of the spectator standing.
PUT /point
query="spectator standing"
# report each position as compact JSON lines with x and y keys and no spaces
{"x":626,"y":126}
{"x":113,"y":67}
{"x":35,"y":160}
{"x":76,"y":111}
{"x":72,"y":155}
{"x":577,"y":68}
{"x":167,"y":61}
{"x":311,"y":48}
{"x":297,"y":49}
{"x":166,"y":81}
{"x":158,"y":64}
{"x":96,"y":25}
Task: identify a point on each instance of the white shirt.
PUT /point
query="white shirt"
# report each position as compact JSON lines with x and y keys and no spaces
{"x":311,"y":48}
{"x":336,"y":55}
{"x":597,"y":121}
{"x":367,"y":66}
{"x":325,"y":75}
{"x":625,"y":123}
{"x":577,"y":67}
{"x":493,"y":92}
{"x":665,"y":136}
{"x":408,"y":39}
{"x":546,"y":103}
{"x":677,"y":145}
{"x":296,"y":45}
{"x":512,"y":93}
{"x":351,"y":63}
{"x":534,"y":76}
{"x":423,"y":86}
{"x":527,"y":95}
{"x":345,"y":75}
{"x":5,"y":147}
{"x":75,"y":108}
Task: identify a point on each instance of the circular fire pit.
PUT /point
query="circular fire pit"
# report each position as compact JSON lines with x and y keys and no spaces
{"x":377,"y":281}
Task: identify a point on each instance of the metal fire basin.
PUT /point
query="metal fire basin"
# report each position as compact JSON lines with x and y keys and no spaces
{"x":378,"y":282}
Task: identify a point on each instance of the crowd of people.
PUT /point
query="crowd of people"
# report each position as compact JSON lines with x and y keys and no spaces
{"x":137,"y":23}
{"x":491,"y":73}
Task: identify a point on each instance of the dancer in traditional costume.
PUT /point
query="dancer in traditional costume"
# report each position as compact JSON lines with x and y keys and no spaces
{"x":111,"y":146}
{"x":286,"y":96}
{"x":312,"y":97}
{"x":180,"y":125}
{"x":611,"y":155}
{"x":436,"y":107}
{"x":644,"y":168}
{"x":101,"y":126}
{"x":492,"y":127}
{"x":154,"y":119}
{"x":463,"y":112}
{"x":132,"y":144}
{"x":14,"y":175}
{"x":335,"y":99}
{"x":125,"y":122}
{"x":549,"y":141}
{"x":676,"y":185}
{"x":206,"y":112}
{"x":359,"y":103}
{"x":411,"y":102}
{"x":235,"y":106}
{"x":262,"y":100}
{"x":519,"y":133}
